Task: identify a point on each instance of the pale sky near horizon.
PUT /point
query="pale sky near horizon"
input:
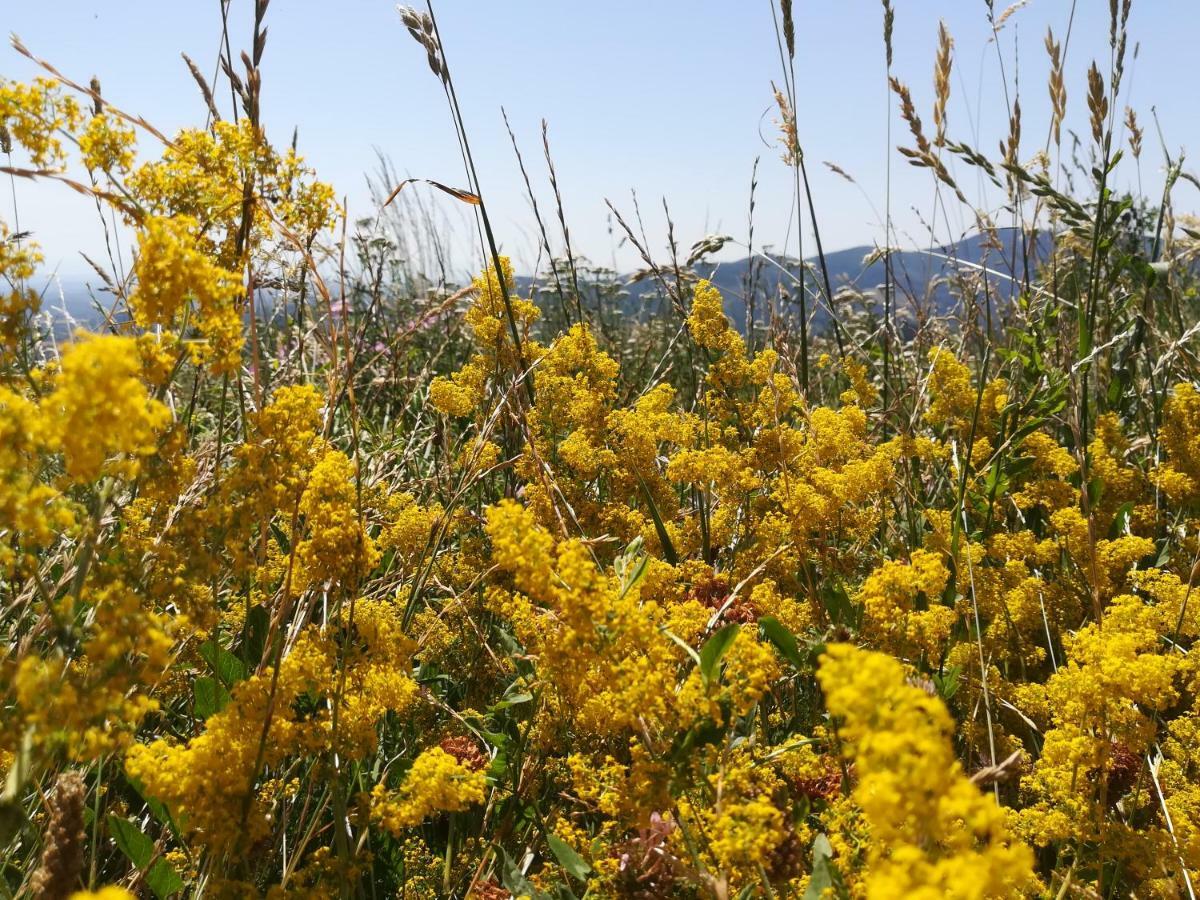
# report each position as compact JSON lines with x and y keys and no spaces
{"x":669,"y":98}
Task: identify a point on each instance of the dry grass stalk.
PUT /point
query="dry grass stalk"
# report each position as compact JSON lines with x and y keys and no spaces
{"x":1009,"y":149}
{"x":1007,"y":13}
{"x":924,"y":155}
{"x":205,"y":90}
{"x":94,"y":95}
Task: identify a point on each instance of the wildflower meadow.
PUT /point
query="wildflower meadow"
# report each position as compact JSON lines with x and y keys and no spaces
{"x":324,"y":574}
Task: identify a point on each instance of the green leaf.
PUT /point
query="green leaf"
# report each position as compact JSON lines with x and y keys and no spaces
{"x":514,"y":880}
{"x":631,"y":576}
{"x":1120,"y":522}
{"x":254,"y":636}
{"x":163,"y":879}
{"x":839,"y":606}
{"x":947,"y":682}
{"x":136,"y":846}
{"x":715,"y":648}
{"x":157,"y":808}
{"x":210,"y":696}
{"x":822,"y":874}
{"x":227,"y":667}
{"x":682,"y":643}
{"x":663,"y":538}
{"x":514,"y":700}
{"x":498,"y":767}
{"x":282,"y":539}
{"x":571,"y":861}
{"x":784,"y":641}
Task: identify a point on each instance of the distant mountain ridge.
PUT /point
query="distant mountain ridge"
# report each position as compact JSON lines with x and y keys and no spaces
{"x":917,"y":273}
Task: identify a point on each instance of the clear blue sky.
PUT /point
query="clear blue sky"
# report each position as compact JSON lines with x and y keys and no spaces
{"x":671,"y":98}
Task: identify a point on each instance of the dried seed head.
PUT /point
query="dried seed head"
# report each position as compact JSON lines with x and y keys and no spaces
{"x":260,"y":44}
{"x":97,"y":101}
{"x":908,"y":112}
{"x":420,"y":26}
{"x":62,"y":844}
{"x":1010,"y":149}
{"x":1058,"y":90}
{"x":789,"y":27}
{"x":409,"y":17}
{"x":788,"y":858}
{"x":435,"y":65}
{"x":1119,"y":65}
{"x":941,"y":83}
{"x":238,"y":87}
{"x":1122,"y":771}
{"x":1097,"y":103}
{"x":1135,"y":132}
{"x":1004,"y":16}
{"x":465,"y":751}
{"x":838,"y":170}
{"x":488,"y":890}
{"x":205,"y":90}
{"x":889,"y":17}
{"x":787,"y":127}
{"x":646,"y":868}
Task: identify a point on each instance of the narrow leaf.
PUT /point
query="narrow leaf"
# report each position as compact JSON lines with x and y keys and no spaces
{"x":784,"y":640}
{"x":715,"y":648}
{"x":129,"y":838}
{"x":571,"y":861}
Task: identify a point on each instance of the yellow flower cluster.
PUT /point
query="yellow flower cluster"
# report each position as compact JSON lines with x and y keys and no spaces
{"x":104,"y":422}
{"x":933,"y":833}
{"x":107,"y":144}
{"x":435,"y":783}
{"x":34,"y":115}
{"x":600,"y":648}
{"x":172,"y":273}
{"x":211,"y":781}
{"x":203,"y":174}
{"x":18,"y":300}
{"x":464,"y":392}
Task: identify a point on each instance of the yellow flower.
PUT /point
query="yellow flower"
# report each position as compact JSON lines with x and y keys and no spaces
{"x":105,"y":893}
{"x":107,"y":144}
